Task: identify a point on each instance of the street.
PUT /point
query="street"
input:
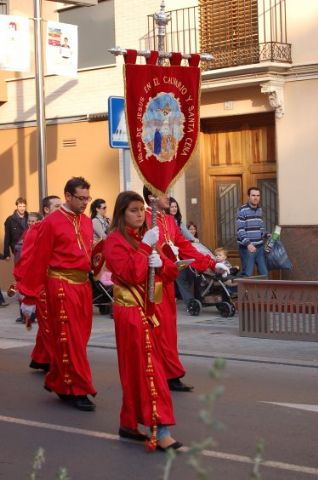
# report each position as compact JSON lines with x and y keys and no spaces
{"x":86,"y":443}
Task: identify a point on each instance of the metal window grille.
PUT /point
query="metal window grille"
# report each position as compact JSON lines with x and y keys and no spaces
{"x":235,"y":32}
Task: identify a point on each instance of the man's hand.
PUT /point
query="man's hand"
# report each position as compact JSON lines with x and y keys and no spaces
{"x":251,"y":248}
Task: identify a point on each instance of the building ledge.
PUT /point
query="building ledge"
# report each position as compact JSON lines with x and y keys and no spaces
{"x":256,"y":74}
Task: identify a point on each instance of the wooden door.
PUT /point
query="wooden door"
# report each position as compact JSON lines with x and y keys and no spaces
{"x":236,"y":155}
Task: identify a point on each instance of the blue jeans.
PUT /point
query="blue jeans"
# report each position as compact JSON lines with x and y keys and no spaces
{"x":185,"y":282}
{"x":249,"y":259}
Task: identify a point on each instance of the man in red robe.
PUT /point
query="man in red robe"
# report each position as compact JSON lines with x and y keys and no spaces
{"x":171,"y":236}
{"x":40,"y":356}
{"x":60,"y":263}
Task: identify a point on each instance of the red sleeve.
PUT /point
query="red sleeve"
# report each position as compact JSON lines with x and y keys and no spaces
{"x":187,"y":250}
{"x":26,"y":252}
{"x":126,"y":264}
{"x":34,"y":274}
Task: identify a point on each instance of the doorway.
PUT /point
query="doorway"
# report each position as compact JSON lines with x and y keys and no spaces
{"x":236,"y":153}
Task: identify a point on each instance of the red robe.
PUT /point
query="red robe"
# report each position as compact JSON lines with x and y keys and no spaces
{"x":42,"y":350}
{"x":129,"y":268}
{"x":64,"y":241}
{"x":166,"y":311}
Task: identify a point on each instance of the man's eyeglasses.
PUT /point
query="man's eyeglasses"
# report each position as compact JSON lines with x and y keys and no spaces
{"x":81,"y":198}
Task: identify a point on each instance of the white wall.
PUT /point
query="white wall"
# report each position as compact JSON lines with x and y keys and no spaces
{"x":297,"y":153}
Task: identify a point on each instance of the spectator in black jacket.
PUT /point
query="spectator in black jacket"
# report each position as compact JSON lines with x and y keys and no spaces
{"x":3,"y":303}
{"x":14,"y":226}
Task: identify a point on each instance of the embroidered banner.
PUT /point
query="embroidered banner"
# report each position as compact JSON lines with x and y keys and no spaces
{"x":162,"y":114}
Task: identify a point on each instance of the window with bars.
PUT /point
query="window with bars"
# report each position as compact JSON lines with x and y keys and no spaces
{"x":229,"y":29}
{"x":4,"y":7}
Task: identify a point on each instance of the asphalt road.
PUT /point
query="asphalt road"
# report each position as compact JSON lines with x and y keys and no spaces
{"x":86,"y":443}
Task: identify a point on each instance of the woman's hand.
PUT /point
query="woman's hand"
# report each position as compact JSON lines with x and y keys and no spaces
{"x":151,"y":237}
{"x":154,"y":260}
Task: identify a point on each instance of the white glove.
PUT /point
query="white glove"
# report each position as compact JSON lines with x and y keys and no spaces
{"x":155,"y":260}
{"x":222,"y":267}
{"x":151,"y":237}
{"x":27,"y":310}
{"x":175,"y":250}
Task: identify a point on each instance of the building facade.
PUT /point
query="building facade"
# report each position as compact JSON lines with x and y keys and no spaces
{"x":258,"y":113}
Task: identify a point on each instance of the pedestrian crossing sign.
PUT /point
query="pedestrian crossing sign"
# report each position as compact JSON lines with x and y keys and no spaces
{"x":118,"y":137}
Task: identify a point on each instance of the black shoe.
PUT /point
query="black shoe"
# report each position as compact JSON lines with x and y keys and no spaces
{"x":82,"y":402}
{"x":65,"y":398}
{"x":132,"y":434}
{"x":20,"y":320}
{"x":40,"y":366}
{"x":176,"y":385}
{"x":174,"y":446}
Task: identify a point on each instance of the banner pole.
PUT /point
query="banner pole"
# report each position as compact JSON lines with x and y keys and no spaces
{"x":161,"y":20}
{"x":40,"y":102}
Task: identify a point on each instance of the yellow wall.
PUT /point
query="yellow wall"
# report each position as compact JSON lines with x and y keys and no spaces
{"x":91,"y":157}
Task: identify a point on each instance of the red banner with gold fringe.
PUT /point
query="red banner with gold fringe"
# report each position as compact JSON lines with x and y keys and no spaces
{"x":162,"y":113}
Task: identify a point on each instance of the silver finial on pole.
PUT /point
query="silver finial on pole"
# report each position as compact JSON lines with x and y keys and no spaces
{"x":162,"y":19}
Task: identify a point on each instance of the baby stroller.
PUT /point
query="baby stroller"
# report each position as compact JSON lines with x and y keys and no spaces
{"x":210,"y":290}
{"x":102,"y":286}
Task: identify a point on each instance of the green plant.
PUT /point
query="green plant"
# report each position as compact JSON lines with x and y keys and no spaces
{"x":206,"y":414}
{"x":39,"y":461}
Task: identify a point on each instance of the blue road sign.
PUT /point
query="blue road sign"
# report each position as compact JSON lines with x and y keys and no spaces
{"x":118,"y":137}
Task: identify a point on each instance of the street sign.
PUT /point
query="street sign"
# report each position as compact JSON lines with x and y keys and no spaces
{"x":118,"y":137}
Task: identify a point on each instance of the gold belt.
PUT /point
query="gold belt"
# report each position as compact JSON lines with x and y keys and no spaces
{"x":70,"y":275}
{"x":124,"y":297}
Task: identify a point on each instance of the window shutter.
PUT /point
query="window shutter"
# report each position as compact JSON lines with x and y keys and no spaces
{"x":229,"y":30}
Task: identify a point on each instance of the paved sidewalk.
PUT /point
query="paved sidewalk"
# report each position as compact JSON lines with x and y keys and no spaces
{"x":207,"y":335}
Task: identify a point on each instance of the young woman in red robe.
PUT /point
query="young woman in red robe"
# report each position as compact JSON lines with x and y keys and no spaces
{"x":128,"y":254}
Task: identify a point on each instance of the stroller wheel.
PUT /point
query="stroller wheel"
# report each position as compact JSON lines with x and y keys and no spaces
{"x":194,"y":307}
{"x":226,"y":309}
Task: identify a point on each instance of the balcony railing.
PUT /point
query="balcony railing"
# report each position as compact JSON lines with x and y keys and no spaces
{"x":231,"y":32}
{"x":278,"y":309}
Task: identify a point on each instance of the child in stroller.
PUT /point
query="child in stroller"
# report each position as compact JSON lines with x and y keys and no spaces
{"x":213,"y":289}
{"x":102,"y":286}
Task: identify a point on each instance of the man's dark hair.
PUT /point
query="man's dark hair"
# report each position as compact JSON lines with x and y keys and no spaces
{"x":46,"y":202}
{"x":20,"y":200}
{"x":36,"y":215}
{"x":74,"y":183}
{"x":253,"y":188}
{"x":146,"y":192}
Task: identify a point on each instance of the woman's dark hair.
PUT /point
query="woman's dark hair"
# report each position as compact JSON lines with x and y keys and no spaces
{"x":191,"y":224}
{"x":96,"y":204}
{"x":74,"y":183}
{"x":118,"y":222}
{"x":177,"y":216}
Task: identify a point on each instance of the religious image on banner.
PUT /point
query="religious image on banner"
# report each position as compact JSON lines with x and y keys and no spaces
{"x":14,"y":43}
{"x":62,"y":49}
{"x":162,"y":114}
